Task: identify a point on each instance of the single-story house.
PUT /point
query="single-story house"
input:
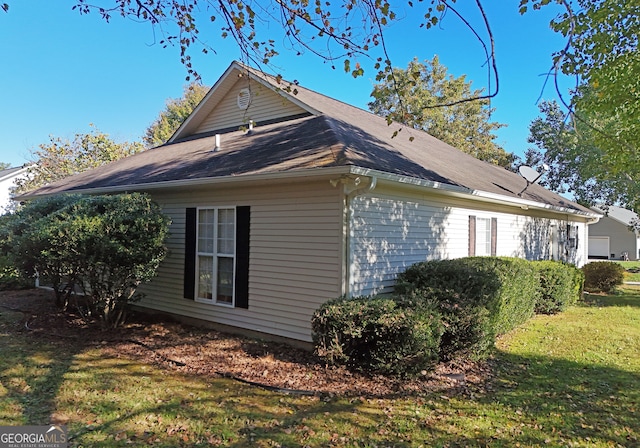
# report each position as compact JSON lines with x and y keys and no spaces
{"x":8,"y":179}
{"x":614,"y":236}
{"x":282,"y":198}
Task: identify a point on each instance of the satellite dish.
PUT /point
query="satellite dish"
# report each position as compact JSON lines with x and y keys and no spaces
{"x":530,"y":175}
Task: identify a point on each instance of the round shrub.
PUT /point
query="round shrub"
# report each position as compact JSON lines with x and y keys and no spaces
{"x":105,"y":245}
{"x":602,"y":276}
{"x":378,"y":335}
{"x":478,"y":298}
{"x":560,"y":286}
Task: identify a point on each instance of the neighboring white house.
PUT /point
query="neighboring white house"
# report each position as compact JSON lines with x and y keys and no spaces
{"x":612,"y":237}
{"x":282,"y":198}
{"x":7,"y":183}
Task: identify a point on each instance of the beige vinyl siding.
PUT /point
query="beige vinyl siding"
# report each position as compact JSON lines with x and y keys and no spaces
{"x":265,"y":105}
{"x":295,"y":257}
{"x":390,"y":233}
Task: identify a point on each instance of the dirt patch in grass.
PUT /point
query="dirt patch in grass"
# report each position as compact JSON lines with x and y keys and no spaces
{"x":206,"y":352}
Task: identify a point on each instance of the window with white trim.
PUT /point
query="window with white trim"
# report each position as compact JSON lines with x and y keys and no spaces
{"x":215,"y":260}
{"x":483,"y":236}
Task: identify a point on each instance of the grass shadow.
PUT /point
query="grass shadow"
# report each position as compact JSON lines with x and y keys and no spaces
{"x":32,"y":369}
{"x":543,"y":397}
{"x":574,"y":400}
{"x":626,"y":296}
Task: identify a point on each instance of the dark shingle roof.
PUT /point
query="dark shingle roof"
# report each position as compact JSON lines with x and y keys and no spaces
{"x":337,"y":135}
{"x":11,"y":171}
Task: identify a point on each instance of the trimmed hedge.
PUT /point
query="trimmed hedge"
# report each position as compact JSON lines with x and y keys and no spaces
{"x":561,"y":285}
{"x":479,"y":298}
{"x":602,"y":276}
{"x":377,"y":334}
{"x":443,"y":310}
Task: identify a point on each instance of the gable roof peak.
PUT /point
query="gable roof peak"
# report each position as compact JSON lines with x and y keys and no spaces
{"x":228,"y":81}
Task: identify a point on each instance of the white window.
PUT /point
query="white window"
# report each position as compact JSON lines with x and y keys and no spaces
{"x":483,"y":236}
{"x":572,"y":234}
{"x":215,"y":259}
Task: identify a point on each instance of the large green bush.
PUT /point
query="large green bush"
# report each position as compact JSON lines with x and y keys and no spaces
{"x":560,"y":286}
{"x":602,"y":276}
{"x":104,"y":245}
{"x":11,"y":278}
{"x":377,"y":334}
{"x":22,"y":245}
{"x":478,"y":298}
{"x":462,"y":304}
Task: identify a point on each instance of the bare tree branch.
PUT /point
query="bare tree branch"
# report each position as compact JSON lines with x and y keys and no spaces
{"x":490,"y":56}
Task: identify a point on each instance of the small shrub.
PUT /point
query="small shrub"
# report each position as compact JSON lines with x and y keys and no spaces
{"x":560,"y":286}
{"x":602,"y":276}
{"x":478,"y":298}
{"x":376,"y":334}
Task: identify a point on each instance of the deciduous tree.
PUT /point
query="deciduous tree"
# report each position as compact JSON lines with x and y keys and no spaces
{"x":601,"y":49}
{"x":579,"y":165}
{"x":602,"y":115}
{"x":413,"y":95}
{"x":176,"y":111}
{"x":60,"y":157}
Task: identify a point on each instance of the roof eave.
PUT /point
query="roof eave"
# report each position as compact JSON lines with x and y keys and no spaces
{"x":15,"y":173}
{"x":467,"y":193}
{"x":151,"y":186}
{"x":406,"y":181}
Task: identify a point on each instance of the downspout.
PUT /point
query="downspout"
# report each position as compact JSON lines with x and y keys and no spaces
{"x":351,"y":189}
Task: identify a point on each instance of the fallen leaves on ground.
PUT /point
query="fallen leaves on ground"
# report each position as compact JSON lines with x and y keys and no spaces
{"x":207,"y":352}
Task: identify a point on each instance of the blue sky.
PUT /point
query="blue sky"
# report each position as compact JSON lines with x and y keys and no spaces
{"x":61,"y":71}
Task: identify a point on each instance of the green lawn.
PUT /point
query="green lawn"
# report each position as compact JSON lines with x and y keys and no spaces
{"x":632,"y":269}
{"x":567,"y":380}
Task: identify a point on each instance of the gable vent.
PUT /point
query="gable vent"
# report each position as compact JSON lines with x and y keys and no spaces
{"x":244,"y":98}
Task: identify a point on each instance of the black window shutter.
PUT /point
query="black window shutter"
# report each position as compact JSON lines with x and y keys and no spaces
{"x":190,"y":254}
{"x":472,"y":236}
{"x":243,"y":221}
{"x":494,"y":236}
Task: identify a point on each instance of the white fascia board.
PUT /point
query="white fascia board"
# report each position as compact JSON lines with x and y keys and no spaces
{"x":15,"y":173}
{"x":299,"y":175}
{"x":467,"y":193}
{"x":290,"y":96}
{"x":220,"y":83}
